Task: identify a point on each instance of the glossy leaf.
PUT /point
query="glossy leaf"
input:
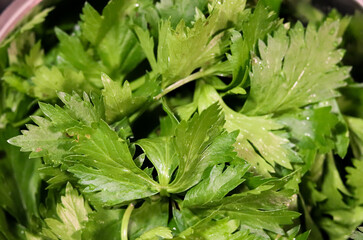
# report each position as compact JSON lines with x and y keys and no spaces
{"x":298,"y":75}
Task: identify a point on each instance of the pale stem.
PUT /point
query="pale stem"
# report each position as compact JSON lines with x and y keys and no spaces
{"x":125,"y":221}
{"x":180,"y":83}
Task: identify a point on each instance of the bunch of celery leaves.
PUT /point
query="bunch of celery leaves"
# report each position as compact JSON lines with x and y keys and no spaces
{"x":181,"y":119}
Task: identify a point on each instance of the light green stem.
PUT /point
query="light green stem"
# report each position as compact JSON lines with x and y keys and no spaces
{"x":26,"y":120}
{"x":125,"y":221}
{"x":180,"y":83}
{"x":137,"y":83}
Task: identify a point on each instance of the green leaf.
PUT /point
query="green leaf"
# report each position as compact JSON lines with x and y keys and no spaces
{"x":342,"y":223}
{"x":49,"y":139}
{"x":20,"y":183}
{"x":146,"y":16}
{"x":200,"y":143}
{"x":25,"y":49}
{"x":203,"y":42}
{"x":254,"y":133}
{"x":260,"y":208}
{"x":358,"y":234}
{"x":72,"y":213}
{"x":112,"y":37}
{"x":213,"y":188}
{"x":147,"y":44}
{"x":269,"y":220}
{"x":73,"y":54}
{"x":312,"y":128}
{"x":299,"y":72}
{"x":86,"y":110}
{"x":103,"y":224}
{"x":341,"y":130}
{"x":178,"y":10}
{"x":104,"y":166}
{"x":274,"y":4}
{"x":158,"y":214}
{"x":77,"y":137}
{"x":13,"y":106}
{"x":190,"y":150}
{"x":3,"y":60}
{"x":208,"y":229}
{"x":123,"y":128}
{"x":119,"y":100}
{"x":162,"y":153}
{"x":354,"y":178}
{"x":47,"y":82}
{"x":258,"y":24}
{"x":258,"y":132}
{"x":303,"y":236}
{"x":156,"y":234}
{"x":333,"y":187}
{"x":183,"y":219}
{"x":25,"y":57}
{"x":239,"y":59}
{"x":115,"y":11}
{"x":43,"y":141}
{"x":5,"y":231}
{"x":356,"y":134}
{"x":91,"y":23}
{"x":56,"y":176}
{"x":120,"y":50}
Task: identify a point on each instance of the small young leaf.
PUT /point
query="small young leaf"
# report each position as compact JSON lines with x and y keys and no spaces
{"x":119,"y":100}
{"x":73,"y":214}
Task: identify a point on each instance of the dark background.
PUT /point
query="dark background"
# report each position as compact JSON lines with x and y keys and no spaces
{"x":3,"y":4}
{"x":344,"y":6}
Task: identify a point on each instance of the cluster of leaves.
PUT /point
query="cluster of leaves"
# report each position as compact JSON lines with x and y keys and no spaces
{"x":251,"y":139}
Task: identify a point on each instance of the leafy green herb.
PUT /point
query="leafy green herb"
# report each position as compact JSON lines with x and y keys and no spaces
{"x":180,"y":119}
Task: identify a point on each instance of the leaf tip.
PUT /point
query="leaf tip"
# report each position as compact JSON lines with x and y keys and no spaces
{"x":105,"y":79}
